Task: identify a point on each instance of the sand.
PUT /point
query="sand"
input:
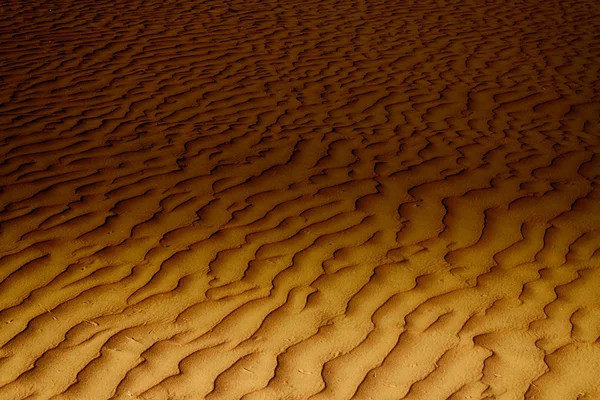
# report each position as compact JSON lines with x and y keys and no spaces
{"x":299,"y":200}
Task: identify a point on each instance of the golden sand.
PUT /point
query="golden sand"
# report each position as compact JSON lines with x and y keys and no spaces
{"x":311,"y":199}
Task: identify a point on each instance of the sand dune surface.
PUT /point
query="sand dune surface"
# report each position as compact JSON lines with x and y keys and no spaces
{"x":318,"y":199}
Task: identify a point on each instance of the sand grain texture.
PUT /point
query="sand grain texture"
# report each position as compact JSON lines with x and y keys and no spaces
{"x":299,"y":200}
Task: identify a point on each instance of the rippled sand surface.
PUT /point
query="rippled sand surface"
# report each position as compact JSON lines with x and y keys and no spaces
{"x":299,"y":200}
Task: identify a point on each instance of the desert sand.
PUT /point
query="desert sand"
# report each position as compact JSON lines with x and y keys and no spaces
{"x":299,"y":200}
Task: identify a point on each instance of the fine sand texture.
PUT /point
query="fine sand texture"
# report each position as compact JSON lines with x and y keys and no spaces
{"x":293,"y":200}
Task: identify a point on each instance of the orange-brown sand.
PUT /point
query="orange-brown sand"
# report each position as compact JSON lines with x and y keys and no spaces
{"x":299,"y":200}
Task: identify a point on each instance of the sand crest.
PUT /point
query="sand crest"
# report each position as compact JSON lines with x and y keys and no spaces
{"x":268,"y":200}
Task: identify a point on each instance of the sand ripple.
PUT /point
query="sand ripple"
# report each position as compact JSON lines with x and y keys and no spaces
{"x":299,"y":200}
